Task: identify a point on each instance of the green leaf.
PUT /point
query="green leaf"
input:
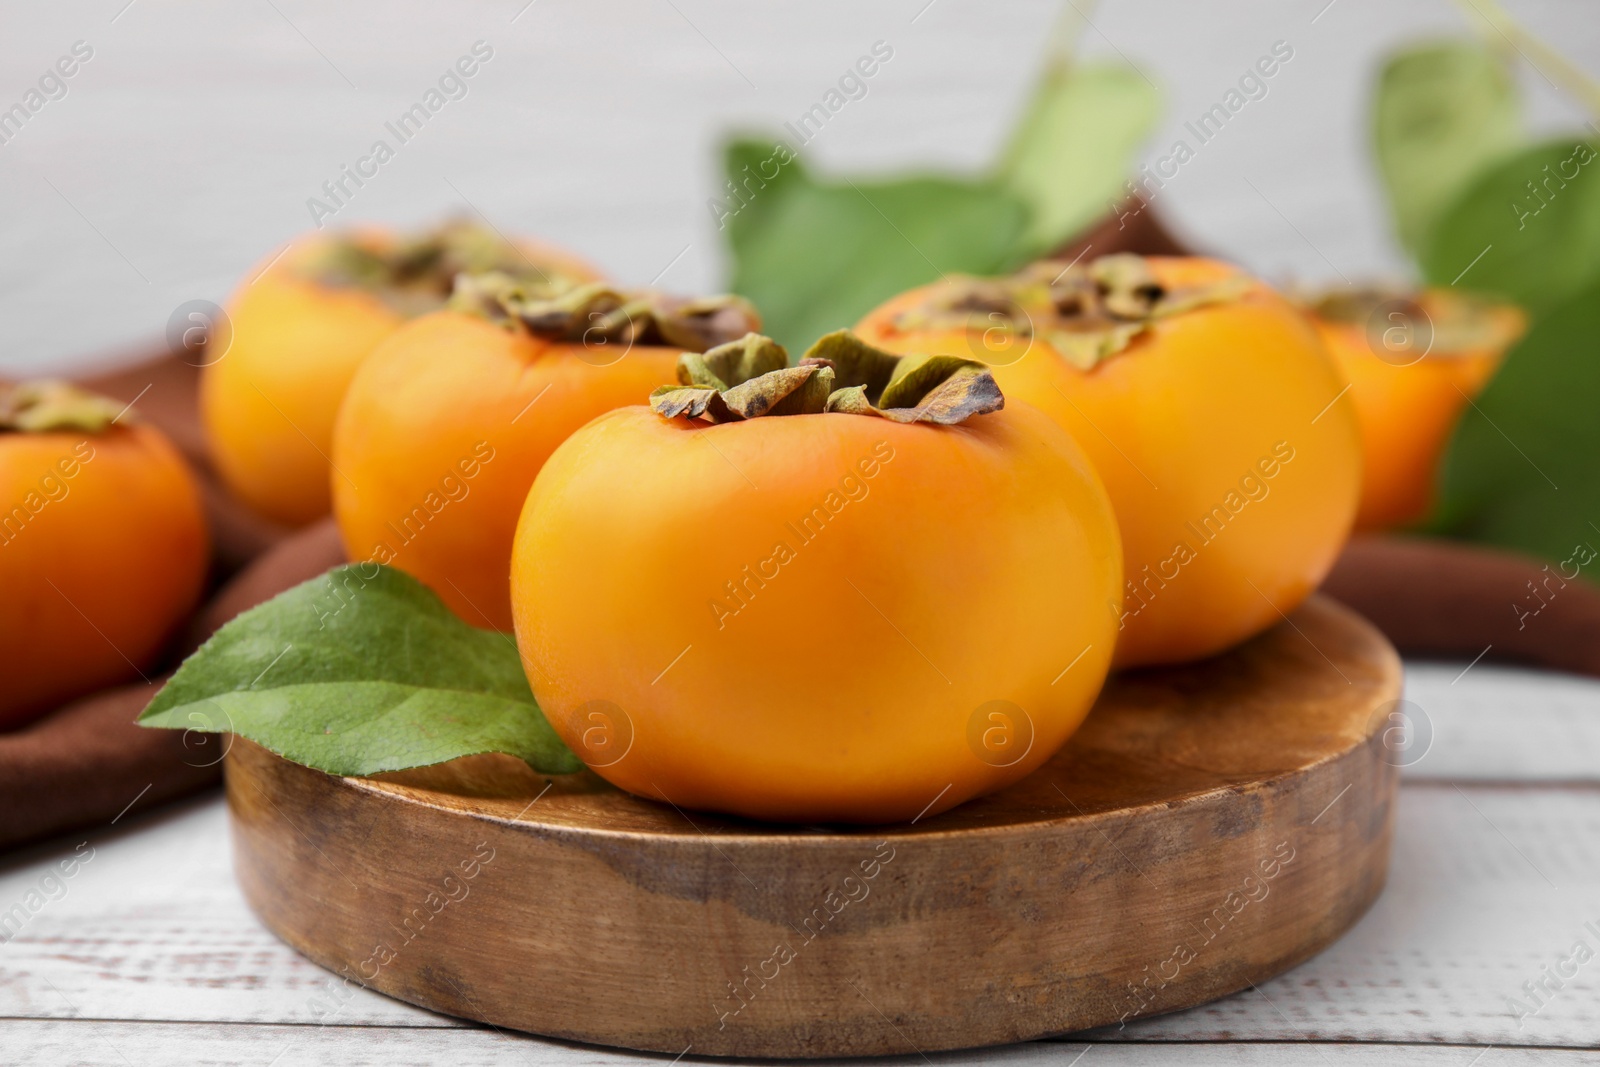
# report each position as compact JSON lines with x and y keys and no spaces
{"x":815,"y":256}
{"x":1521,"y":470}
{"x":1073,"y":150}
{"x":1536,"y":248}
{"x":359,"y":671}
{"x":1442,"y":112}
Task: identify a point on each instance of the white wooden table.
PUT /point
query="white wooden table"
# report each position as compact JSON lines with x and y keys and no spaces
{"x":186,"y":150}
{"x":148,"y":954}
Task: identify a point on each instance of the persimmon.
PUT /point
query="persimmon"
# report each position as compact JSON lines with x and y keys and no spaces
{"x":103,"y":546}
{"x":854,"y":590}
{"x":302,"y":325}
{"x":1209,"y":407}
{"x":447,"y":422}
{"x":1413,"y":360}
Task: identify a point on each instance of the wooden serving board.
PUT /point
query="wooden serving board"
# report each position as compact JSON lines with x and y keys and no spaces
{"x":1207,"y":828}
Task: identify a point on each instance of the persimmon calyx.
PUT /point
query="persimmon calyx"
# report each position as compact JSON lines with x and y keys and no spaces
{"x":1454,"y":322}
{"x":751,"y":378}
{"x":1085,"y":312}
{"x":416,"y":275}
{"x":49,"y":405}
{"x":598,"y":313}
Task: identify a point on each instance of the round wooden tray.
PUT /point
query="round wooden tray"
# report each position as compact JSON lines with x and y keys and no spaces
{"x":1207,"y":828}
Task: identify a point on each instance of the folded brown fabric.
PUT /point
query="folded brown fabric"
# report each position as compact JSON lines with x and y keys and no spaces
{"x":86,"y":763}
{"x":1456,"y":601}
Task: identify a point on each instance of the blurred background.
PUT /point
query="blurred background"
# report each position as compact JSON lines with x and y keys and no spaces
{"x":183,"y":151}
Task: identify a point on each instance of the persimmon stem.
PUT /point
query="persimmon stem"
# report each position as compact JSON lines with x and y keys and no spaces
{"x":751,"y":378}
{"x":1086,"y":312}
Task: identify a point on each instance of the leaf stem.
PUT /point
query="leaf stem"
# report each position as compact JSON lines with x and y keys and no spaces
{"x":1064,"y":37}
{"x":1550,"y":64}
{"x":1059,"y":57}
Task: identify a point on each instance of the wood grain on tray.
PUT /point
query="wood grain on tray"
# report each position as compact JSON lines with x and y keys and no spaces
{"x":1010,"y":917}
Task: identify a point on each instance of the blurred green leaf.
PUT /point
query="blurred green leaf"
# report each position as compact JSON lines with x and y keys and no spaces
{"x":1521,"y":471}
{"x":1074,"y":148}
{"x":1527,"y":228}
{"x":816,"y":256}
{"x":1441,"y":113}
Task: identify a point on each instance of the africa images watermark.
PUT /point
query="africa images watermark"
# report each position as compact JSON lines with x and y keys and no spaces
{"x":852,"y":889}
{"x":1583,"y":554}
{"x":852,"y":85}
{"x":52,"y":86}
{"x":51,"y":886}
{"x":1252,"y":85}
{"x":451,"y":890}
{"x":53,"y":486}
{"x":1255,"y":485}
{"x":344,"y":588}
{"x":1253,"y":889}
{"x":741,"y":589}
{"x":1542,"y":990}
{"x":452,"y":85}
{"x":1540,"y":195}
{"x":451,"y":490}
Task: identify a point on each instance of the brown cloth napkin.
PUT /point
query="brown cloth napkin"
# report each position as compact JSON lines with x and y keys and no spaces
{"x":1448,"y":600}
{"x":89,"y":763}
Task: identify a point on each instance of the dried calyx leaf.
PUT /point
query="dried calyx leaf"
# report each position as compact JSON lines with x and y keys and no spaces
{"x":45,"y":406}
{"x":597,"y":313}
{"x":1457,"y":322}
{"x":417,"y":274}
{"x":1086,"y":312}
{"x":1352,"y":307}
{"x":751,"y":377}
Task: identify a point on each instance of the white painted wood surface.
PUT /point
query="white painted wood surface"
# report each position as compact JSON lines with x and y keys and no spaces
{"x":148,"y":954}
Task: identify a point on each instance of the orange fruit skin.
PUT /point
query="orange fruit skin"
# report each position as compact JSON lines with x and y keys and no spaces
{"x":441,"y":433}
{"x":1185,"y":421}
{"x":103,"y":553}
{"x":956,"y":566}
{"x":1406,"y":414}
{"x":268,"y":405}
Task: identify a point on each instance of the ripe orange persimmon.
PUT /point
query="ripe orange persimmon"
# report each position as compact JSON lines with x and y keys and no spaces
{"x":810,"y":610}
{"x":1413,"y":361}
{"x":446,"y":424}
{"x":304,"y":324}
{"x":103,"y":546}
{"x":1209,"y":407}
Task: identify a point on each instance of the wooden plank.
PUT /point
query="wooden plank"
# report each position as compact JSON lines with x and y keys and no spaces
{"x":48,"y":1043}
{"x":153,"y":926}
{"x":1496,"y":723}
